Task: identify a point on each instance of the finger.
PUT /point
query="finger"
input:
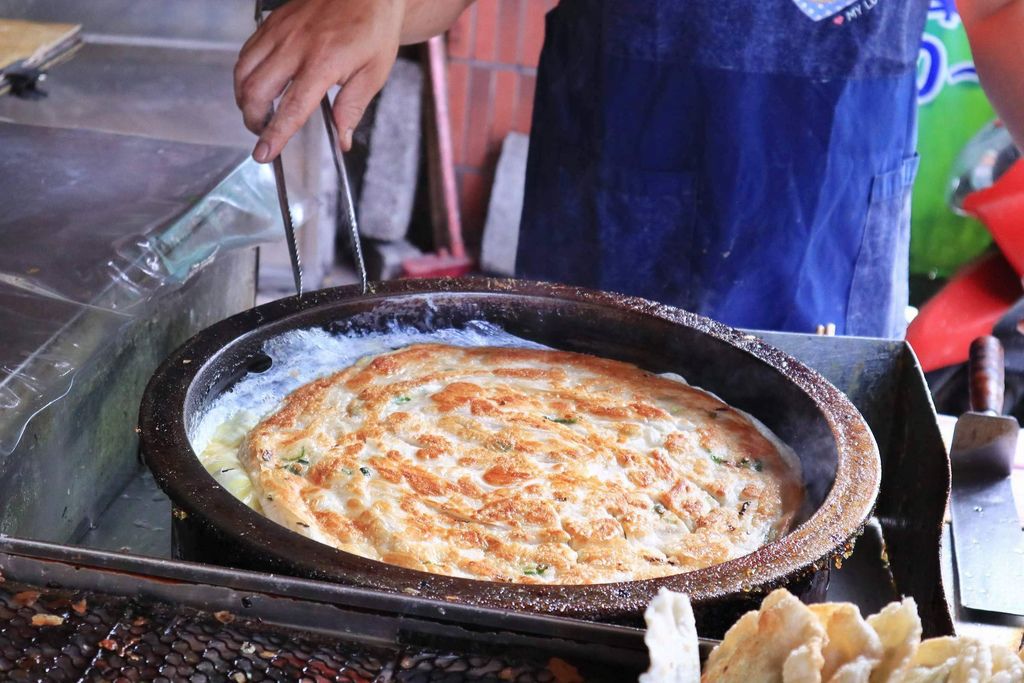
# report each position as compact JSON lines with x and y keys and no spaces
{"x":351,"y":102}
{"x":260,"y":31}
{"x":261,"y":44}
{"x":264,"y":85}
{"x":283,"y":12}
{"x":252,"y":54}
{"x":299,"y":102}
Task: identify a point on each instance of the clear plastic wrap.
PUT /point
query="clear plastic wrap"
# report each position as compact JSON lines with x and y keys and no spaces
{"x":78,"y":264}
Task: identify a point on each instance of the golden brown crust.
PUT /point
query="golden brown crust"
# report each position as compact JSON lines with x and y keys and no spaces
{"x":520,"y":465}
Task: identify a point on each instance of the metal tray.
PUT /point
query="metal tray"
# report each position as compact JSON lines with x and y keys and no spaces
{"x":143,"y":618}
{"x":882,"y":379}
{"x":899,"y":553}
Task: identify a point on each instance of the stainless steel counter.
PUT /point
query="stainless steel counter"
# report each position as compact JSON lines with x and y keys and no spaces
{"x":165,"y":90}
{"x":137,"y":131}
{"x":107,"y":264}
{"x":73,"y":198}
{"x":223,"y":21}
{"x":165,"y":71}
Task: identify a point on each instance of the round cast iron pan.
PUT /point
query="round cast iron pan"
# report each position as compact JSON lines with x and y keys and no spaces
{"x":837,"y":451}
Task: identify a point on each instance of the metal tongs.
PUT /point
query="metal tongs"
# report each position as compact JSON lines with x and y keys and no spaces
{"x":346,"y":190}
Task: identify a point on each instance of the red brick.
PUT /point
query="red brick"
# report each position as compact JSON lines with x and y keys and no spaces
{"x":504,"y":108}
{"x":473,"y":194}
{"x":509,"y":12}
{"x":478,"y":121}
{"x":458,"y":105}
{"x":485,"y":40}
{"x":524,"y":103}
{"x":460,"y":35}
{"x":533,"y":32}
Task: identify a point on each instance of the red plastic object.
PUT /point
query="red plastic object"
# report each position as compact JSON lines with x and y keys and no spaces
{"x":1001,"y":209}
{"x":437,"y":264}
{"x":966,"y":308}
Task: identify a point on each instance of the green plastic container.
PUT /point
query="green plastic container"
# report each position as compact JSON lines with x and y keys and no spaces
{"x":952,"y":109}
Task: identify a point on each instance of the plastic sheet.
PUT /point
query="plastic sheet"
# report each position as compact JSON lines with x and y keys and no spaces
{"x":103,"y":225}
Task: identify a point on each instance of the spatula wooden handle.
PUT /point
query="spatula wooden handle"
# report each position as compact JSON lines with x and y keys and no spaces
{"x":987,"y":375}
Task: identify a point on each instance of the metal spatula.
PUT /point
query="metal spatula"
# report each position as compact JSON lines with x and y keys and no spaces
{"x":988,"y":542}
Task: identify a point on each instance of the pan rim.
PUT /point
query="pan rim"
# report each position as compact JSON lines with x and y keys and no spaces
{"x":806,"y":548}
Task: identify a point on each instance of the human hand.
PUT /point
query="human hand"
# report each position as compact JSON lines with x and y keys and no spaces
{"x":307,"y":46}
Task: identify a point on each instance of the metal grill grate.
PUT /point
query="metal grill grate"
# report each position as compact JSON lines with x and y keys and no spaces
{"x":53,"y":635}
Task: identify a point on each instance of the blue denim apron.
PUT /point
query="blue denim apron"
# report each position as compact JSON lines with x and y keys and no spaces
{"x":749,"y":160}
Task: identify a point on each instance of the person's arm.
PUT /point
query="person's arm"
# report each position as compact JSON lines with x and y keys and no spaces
{"x":307,"y":46}
{"x":425,"y":19}
{"x":995,"y":29}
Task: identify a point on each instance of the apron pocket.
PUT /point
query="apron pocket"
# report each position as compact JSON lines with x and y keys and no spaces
{"x":880,"y":288}
{"x":645,"y":225}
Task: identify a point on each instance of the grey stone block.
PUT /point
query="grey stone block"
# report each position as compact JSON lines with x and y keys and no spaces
{"x":392,"y":167}
{"x":501,"y":231}
{"x":384,"y":259}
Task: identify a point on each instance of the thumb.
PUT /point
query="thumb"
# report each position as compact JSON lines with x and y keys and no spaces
{"x":351,"y":103}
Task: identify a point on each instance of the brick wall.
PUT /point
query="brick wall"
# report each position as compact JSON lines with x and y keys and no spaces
{"x":493,"y":50}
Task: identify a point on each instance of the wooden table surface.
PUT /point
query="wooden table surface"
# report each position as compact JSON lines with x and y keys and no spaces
{"x":30,"y":41}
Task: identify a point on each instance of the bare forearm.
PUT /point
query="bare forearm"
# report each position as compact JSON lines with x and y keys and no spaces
{"x":996,"y":32}
{"x":427,"y":18}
